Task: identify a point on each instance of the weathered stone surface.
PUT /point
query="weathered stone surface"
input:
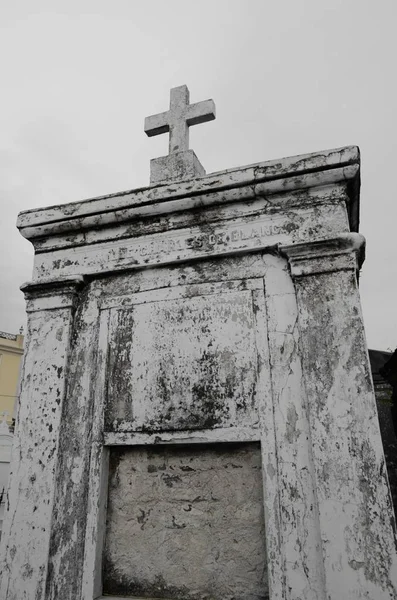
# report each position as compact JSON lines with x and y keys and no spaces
{"x":176,"y":167}
{"x":221,"y":214}
{"x":351,"y":481}
{"x":302,"y":172}
{"x":188,"y":361}
{"x":221,"y":310}
{"x":186,"y":522}
{"x":181,"y":163}
{"x":30,"y":504}
{"x":293,"y":537}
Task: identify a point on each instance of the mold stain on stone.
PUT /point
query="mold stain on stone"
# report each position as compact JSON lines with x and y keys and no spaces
{"x":196,"y":371}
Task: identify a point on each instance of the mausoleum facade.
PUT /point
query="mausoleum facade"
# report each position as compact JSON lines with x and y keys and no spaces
{"x":197,"y":415}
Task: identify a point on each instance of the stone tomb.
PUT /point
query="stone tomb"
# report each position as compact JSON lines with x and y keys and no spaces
{"x":197,"y":418}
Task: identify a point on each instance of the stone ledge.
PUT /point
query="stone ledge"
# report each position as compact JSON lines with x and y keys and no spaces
{"x":59,"y":285}
{"x":52,"y":293}
{"x":175,"y":167}
{"x":287,"y":174}
{"x":346,"y":251}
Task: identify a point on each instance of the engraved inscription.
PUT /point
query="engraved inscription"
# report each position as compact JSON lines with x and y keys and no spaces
{"x":216,"y":239}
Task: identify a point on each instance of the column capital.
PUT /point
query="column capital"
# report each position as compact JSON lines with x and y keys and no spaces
{"x":52,"y":293}
{"x":344,"y":252}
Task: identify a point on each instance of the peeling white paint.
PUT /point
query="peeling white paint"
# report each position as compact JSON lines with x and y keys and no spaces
{"x":261,"y":287}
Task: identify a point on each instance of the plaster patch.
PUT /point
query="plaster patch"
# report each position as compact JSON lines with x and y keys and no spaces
{"x":186,"y":523}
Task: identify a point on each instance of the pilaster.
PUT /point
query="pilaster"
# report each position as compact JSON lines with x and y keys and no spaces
{"x":355,"y":513}
{"x":29,"y":515}
{"x":296,"y":568}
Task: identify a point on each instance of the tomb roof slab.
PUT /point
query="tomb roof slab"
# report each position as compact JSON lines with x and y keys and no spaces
{"x":271,"y":177}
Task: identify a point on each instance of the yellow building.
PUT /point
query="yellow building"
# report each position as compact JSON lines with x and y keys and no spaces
{"x":11,"y":351}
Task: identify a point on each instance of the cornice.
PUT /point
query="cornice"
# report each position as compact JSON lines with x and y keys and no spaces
{"x":236,"y":185}
{"x":345,"y":251}
{"x":52,"y":294}
{"x":11,"y":350}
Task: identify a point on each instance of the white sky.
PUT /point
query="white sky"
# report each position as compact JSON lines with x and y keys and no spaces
{"x":287,"y":77}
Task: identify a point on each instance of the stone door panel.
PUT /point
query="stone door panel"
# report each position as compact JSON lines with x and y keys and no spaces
{"x":185,"y":359}
{"x":186,"y":522}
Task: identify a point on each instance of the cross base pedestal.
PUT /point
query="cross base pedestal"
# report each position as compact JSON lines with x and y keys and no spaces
{"x":175,"y":166}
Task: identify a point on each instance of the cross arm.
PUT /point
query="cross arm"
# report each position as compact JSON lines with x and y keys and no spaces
{"x":156,"y":124}
{"x":201,"y":112}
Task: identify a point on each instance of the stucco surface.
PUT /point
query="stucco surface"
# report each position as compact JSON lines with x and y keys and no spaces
{"x":183,"y":363}
{"x":186,"y":523}
{"x":220,"y":310}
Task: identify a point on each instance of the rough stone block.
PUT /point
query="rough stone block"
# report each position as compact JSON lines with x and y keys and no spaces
{"x":186,"y":523}
{"x":175,"y":167}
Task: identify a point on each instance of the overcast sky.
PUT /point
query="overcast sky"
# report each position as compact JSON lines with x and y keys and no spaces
{"x":287,"y":76}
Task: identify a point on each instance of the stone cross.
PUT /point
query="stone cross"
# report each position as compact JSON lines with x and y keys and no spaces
{"x":181,"y":163}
